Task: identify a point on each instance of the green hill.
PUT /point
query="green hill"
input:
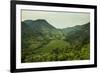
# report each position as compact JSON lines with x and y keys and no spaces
{"x":40,"y":41}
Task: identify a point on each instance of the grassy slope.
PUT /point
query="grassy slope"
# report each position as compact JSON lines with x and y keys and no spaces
{"x":49,"y":44}
{"x":57,"y":50}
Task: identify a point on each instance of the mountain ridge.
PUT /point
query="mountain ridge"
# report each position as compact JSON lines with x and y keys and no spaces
{"x":43,"y":42}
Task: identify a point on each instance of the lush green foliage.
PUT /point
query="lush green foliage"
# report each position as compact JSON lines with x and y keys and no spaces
{"x":42,"y":42}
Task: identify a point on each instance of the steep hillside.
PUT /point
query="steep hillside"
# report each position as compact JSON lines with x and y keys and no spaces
{"x":40,"y":41}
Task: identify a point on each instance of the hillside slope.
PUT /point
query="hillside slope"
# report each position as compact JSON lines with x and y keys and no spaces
{"x":43,"y":42}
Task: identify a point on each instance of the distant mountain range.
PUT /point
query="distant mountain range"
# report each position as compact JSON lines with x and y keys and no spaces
{"x":41,"y":28}
{"x":36,"y":33}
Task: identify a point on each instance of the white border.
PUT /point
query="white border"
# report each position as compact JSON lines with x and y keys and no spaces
{"x":20,"y":65}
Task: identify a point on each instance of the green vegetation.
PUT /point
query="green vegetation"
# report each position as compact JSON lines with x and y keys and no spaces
{"x":42,"y":42}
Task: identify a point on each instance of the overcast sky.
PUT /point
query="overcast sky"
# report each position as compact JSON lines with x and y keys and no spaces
{"x":57,"y":19}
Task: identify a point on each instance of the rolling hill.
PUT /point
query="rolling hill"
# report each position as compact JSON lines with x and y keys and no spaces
{"x":43,"y":42}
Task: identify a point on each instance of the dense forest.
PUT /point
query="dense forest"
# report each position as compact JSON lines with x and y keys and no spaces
{"x":41,"y":42}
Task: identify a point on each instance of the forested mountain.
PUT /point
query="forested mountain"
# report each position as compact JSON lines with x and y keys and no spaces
{"x":43,"y":42}
{"x":78,"y":33}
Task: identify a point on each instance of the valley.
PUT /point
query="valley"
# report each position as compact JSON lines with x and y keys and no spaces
{"x":41,"y":42}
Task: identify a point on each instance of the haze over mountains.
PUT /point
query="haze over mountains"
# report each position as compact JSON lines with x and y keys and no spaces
{"x":43,"y":42}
